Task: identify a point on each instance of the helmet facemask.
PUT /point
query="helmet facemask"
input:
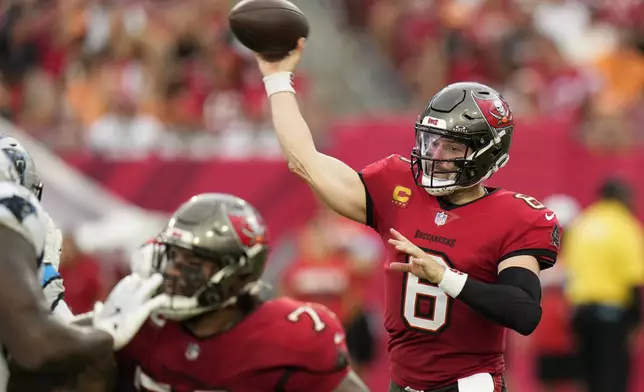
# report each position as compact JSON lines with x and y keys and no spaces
{"x":24,"y":164}
{"x":455,"y":167}
{"x":440,"y":162}
{"x":212,"y":254}
{"x":198,"y":282}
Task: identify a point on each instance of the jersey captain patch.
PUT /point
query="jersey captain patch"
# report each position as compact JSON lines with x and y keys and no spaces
{"x":19,"y":207}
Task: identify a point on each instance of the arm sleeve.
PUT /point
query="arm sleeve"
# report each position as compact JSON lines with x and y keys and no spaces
{"x":514,"y":301}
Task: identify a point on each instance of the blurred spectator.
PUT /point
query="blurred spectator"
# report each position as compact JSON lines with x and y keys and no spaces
{"x":123,"y":133}
{"x":622,"y":71}
{"x":333,"y":266}
{"x":560,"y":60}
{"x":557,"y":365}
{"x":138,"y":78}
{"x":82,"y":276}
{"x":604,"y":255}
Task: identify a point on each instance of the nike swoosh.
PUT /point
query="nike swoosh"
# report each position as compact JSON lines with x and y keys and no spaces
{"x":550,"y":216}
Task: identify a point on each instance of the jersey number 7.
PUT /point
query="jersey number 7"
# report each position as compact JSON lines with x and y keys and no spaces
{"x":425,"y":305}
{"x":318,"y":324}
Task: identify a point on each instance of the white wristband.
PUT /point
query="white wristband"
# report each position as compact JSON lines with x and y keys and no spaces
{"x":279,"y":82}
{"x":453,"y":282}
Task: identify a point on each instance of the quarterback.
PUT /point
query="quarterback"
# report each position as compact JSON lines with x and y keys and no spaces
{"x":463,"y":259}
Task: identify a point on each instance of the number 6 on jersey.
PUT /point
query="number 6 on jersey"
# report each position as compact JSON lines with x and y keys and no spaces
{"x":419,"y":296}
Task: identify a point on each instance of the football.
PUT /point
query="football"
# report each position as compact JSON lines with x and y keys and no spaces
{"x":268,"y":27}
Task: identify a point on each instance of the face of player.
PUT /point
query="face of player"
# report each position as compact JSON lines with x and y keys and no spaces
{"x":439,"y":152}
{"x":186,"y":272}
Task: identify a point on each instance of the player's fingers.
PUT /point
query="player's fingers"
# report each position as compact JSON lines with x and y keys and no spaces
{"x":421,"y":262}
{"x":160,"y":301}
{"x":397,"y":235}
{"x":400,"y":245}
{"x":126,"y":284}
{"x":150,"y":285}
{"x":406,"y":247}
{"x":402,"y":267}
{"x":411,"y":251}
{"x":98,"y":307}
{"x":394,"y":242}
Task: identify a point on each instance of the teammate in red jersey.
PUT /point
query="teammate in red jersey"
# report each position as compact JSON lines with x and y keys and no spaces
{"x":217,"y":335}
{"x":476,"y":252}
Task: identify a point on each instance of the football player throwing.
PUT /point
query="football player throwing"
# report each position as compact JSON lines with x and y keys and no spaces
{"x":464,"y":259}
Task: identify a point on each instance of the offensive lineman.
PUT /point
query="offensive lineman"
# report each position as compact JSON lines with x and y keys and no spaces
{"x":216,"y":334}
{"x":464,"y":259}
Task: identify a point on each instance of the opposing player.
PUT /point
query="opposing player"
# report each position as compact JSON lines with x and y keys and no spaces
{"x":476,"y":251}
{"x":216,"y":334}
{"x":31,"y":336}
{"x":51,"y":281}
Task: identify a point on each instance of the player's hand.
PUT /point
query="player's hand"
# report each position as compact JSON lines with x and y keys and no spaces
{"x":144,"y":260}
{"x":287,"y":64}
{"x":420,"y":264}
{"x":128,"y":306}
{"x":53,"y":242}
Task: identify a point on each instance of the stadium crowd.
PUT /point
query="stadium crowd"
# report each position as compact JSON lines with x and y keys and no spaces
{"x":579,"y":61}
{"x":126,"y":79}
{"x":130,"y":79}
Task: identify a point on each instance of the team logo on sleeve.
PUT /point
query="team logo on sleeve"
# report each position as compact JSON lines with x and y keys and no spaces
{"x":20,"y":207}
{"x":555,"y":236}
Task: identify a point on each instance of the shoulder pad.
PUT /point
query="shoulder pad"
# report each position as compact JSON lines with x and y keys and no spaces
{"x":316,"y":338}
{"x":535,"y":231}
{"x":524,"y":208}
{"x":21,"y":212}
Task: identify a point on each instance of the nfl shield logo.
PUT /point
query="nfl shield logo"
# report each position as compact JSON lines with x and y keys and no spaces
{"x":440,"y":218}
{"x":192,"y":351}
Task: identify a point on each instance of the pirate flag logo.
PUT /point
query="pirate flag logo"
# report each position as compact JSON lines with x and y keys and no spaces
{"x":496,"y":111}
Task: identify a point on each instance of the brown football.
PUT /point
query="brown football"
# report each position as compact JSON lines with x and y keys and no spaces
{"x":268,"y":27}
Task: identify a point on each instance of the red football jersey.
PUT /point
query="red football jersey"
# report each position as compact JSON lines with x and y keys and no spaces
{"x":284,"y":345}
{"x":433,"y":339}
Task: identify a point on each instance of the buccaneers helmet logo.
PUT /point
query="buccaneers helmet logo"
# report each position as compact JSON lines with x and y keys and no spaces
{"x":249,"y":229}
{"x":496,"y":111}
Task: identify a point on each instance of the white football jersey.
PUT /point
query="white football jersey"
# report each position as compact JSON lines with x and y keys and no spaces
{"x":20,"y":210}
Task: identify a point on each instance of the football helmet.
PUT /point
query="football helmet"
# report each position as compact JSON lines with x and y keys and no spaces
{"x":8,"y":170}
{"x":462,"y":138}
{"x":24,"y":164}
{"x":212,"y":251}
